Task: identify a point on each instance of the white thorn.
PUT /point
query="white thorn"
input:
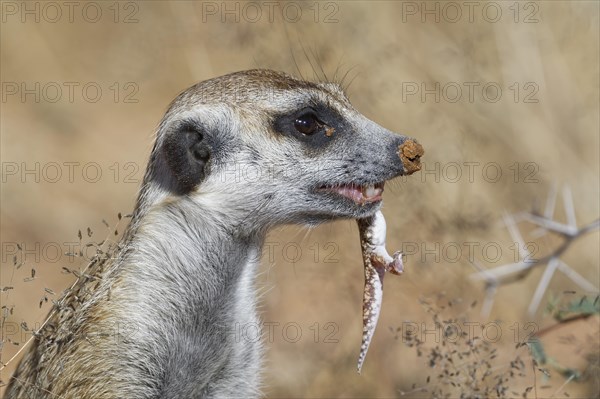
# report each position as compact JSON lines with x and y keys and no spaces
{"x":569,"y":208}
{"x":542,"y":286}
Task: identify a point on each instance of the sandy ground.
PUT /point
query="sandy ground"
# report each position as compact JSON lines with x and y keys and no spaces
{"x":504,"y":96}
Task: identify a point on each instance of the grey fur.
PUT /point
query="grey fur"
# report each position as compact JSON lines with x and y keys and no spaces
{"x":157,"y":320}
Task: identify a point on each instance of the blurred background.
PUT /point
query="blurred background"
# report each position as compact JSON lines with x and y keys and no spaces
{"x":504,"y":97}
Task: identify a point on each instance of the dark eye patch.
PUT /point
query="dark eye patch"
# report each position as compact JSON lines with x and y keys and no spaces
{"x":316,"y":124}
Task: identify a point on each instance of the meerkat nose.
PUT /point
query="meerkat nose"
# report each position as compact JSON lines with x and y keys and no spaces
{"x":410,"y":153}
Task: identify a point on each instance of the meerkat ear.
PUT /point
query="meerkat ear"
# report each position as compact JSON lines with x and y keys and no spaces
{"x":187,"y":153}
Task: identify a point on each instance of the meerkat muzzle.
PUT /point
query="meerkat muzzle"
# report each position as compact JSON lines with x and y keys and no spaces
{"x":410,"y":153}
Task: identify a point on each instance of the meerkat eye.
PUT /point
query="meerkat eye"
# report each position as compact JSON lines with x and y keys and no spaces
{"x":307,"y":124}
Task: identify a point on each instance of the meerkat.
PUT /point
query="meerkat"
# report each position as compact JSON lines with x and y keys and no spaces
{"x":156,"y":320}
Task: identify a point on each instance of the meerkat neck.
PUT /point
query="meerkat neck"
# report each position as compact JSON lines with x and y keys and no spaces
{"x":197,"y":252}
{"x":189,"y":280}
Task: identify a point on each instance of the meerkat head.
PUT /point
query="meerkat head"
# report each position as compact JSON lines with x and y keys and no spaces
{"x":266,"y":148}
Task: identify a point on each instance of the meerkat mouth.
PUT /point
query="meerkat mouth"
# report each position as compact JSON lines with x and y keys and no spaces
{"x":360,"y":194}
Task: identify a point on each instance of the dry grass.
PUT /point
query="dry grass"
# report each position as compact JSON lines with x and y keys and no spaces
{"x":170,"y":48}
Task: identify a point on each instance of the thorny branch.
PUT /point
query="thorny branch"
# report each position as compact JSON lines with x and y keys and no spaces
{"x":545,"y":222}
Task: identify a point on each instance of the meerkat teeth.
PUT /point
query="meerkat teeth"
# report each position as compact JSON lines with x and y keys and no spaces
{"x":369,"y":191}
{"x":376,"y":261}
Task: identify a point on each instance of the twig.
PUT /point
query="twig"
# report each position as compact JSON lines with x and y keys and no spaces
{"x":512,"y":272}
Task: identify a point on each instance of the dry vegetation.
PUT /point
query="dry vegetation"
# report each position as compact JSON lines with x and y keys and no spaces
{"x":555,"y":139}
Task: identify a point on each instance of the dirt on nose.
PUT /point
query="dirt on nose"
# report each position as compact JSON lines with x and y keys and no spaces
{"x":410,"y":152}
